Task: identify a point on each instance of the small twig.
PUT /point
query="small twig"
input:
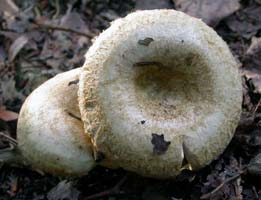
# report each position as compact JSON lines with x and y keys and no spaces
{"x":255,"y":192}
{"x":112,"y":191}
{"x":257,"y":106}
{"x":9,"y":139}
{"x":61,"y":28}
{"x":11,"y":148}
{"x":37,"y":12}
{"x":210,"y":194}
{"x":11,"y":155}
{"x":57,"y":9}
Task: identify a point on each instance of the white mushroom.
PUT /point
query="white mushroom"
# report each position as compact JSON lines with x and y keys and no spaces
{"x":160,"y":91}
{"x":50,"y":131}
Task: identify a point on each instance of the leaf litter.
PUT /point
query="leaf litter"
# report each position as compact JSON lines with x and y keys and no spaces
{"x":209,"y":11}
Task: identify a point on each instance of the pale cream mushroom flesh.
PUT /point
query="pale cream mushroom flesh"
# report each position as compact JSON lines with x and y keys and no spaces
{"x":50,"y":132}
{"x":159,"y":90}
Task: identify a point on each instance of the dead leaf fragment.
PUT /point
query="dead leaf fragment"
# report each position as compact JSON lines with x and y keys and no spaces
{"x":2,"y":54}
{"x":153,"y":193}
{"x":8,"y":88}
{"x":254,"y":166}
{"x":13,"y":186}
{"x":211,"y":12}
{"x":152,"y":4}
{"x":252,"y":65}
{"x":74,"y":21}
{"x":253,"y":54}
{"x":64,"y":190}
{"x":9,"y":7}
{"x":7,"y":115}
{"x":66,"y":45}
{"x":16,"y":47}
{"x":160,"y":146}
{"x":146,"y":41}
{"x":247,"y":22}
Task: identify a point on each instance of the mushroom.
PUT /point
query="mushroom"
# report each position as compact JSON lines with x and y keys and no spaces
{"x":50,"y":131}
{"x":159,"y":92}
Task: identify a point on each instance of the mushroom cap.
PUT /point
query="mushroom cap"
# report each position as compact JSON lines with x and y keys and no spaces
{"x":50,"y":132}
{"x":159,"y":92}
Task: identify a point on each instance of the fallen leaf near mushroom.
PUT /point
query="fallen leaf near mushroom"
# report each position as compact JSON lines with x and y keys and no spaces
{"x":247,"y":103}
{"x":154,"y":193}
{"x":253,"y":54}
{"x":211,"y":12}
{"x":62,"y":44}
{"x":8,"y":88}
{"x":16,"y":47}
{"x":8,"y":7}
{"x":252,"y":65}
{"x":220,"y":173}
{"x":64,"y":190}
{"x":3,"y":54}
{"x":7,"y":115}
{"x":152,"y":4}
{"x":17,"y":20}
{"x":13,"y":184}
{"x":254,"y":166}
{"x":253,"y":78}
{"x":251,"y":91}
{"x":247,"y":22}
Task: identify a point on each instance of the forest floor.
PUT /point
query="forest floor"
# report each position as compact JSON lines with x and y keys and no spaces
{"x":38,"y":41}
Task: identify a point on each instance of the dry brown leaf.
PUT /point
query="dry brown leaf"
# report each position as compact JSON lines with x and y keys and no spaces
{"x":254,"y":166}
{"x":247,"y":22}
{"x":13,"y":186}
{"x":64,"y":190}
{"x":16,"y":47}
{"x":255,"y":46}
{"x":74,"y":21}
{"x":8,"y":89}
{"x":209,"y":11}
{"x":255,"y":79}
{"x":10,"y":35}
{"x":253,"y":54}
{"x":252,"y":64}
{"x":2,"y":54}
{"x":7,"y":115}
{"x":152,"y":4}
{"x":65,"y":48}
{"x":8,"y":7}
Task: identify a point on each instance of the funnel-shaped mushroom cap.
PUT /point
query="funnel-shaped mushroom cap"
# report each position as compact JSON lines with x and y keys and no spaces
{"x":50,"y":132}
{"x":160,"y":91}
